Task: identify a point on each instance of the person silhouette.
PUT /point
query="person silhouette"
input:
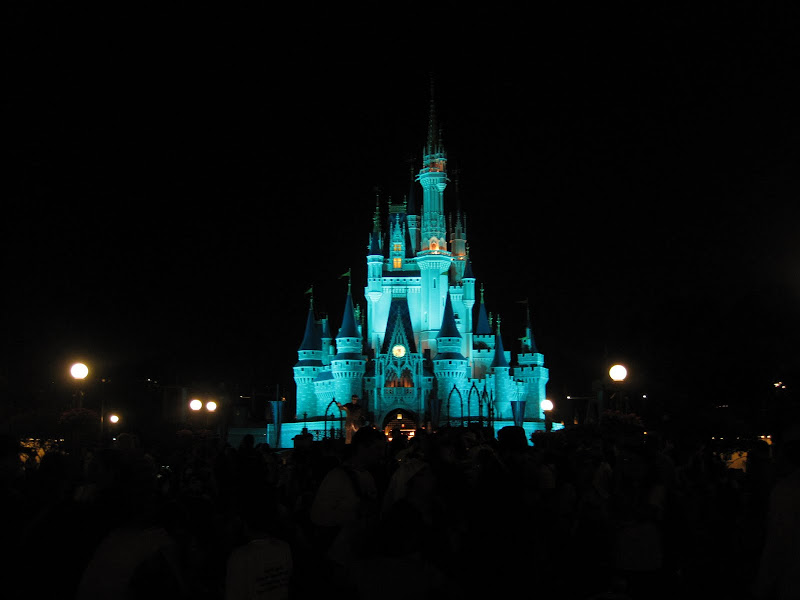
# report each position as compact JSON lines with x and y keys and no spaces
{"x":353,"y":419}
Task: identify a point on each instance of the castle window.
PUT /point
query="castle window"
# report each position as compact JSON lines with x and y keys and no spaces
{"x":398,"y":263}
{"x":398,"y":248}
{"x":404,"y":380}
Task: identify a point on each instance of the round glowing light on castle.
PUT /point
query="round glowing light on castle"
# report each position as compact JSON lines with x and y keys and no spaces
{"x":547,"y":404}
{"x":195,"y":405}
{"x":79,"y":371}
{"x":211,"y":406}
{"x":618,"y":373}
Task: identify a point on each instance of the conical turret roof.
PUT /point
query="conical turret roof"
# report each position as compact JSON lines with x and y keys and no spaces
{"x":499,"y":353}
{"x":482,"y":323}
{"x":311,"y":339}
{"x":449,"y":328}
{"x":348,"y":329}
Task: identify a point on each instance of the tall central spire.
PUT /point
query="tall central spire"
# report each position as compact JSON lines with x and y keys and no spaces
{"x":434,"y":133}
{"x":433,"y":179}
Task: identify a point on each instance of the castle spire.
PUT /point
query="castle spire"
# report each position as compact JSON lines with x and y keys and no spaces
{"x":449,"y":328}
{"x":434,"y":134}
{"x":311,"y":339}
{"x":482,"y":326}
{"x":348,"y":329}
{"x":530,"y":345}
{"x":376,"y":217}
{"x":499,"y":353}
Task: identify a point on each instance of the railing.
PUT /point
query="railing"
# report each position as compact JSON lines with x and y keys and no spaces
{"x":400,"y":394}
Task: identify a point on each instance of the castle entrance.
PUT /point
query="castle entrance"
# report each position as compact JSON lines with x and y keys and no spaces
{"x":403,"y":420}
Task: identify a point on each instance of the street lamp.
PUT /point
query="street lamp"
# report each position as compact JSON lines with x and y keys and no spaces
{"x":547,"y":407}
{"x":79,"y":372}
{"x":113,"y":419}
{"x":618,"y":373}
{"x":196,"y":405}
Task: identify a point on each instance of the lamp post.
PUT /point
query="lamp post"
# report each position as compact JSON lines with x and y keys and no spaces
{"x":113,"y":420}
{"x":547,"y":409}
{"x":79,"y":372}
{"x":618,"y":373}
{"x":196,"y":406}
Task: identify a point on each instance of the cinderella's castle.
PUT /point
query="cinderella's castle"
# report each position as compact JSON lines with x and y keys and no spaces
{"x":428,"y":353}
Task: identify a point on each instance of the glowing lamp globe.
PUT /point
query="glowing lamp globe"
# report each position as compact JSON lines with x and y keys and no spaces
{"x":211,"y":406}
{"x":79,"y":371}
{"x":618,"y":373}
{"x":195,"y":405}
{"x":114,"y":419}
{"x":547,"y":404}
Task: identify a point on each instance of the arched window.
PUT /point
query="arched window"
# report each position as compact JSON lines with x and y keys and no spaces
{"x":404,"y":380}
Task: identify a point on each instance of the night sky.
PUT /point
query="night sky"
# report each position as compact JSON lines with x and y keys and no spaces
{"x":179,"y":178}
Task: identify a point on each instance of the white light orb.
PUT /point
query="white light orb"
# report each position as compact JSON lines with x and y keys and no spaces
{"x":79,"y":371}
{"x":211,"y":406}
{"x":618,"y":373}
{"x":114,"y":418}
{"x":195,"y":404}
{"x":547,"y":404}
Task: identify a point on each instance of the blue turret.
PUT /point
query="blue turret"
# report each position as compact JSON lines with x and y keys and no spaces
{"x":504,"y":388}
{"x":500,"y":359}
{"x":309,"y":364}
{"x":448,"y":331}
{"x":482,"y":326}
{"x":348,"y":364}
{"x":449,"y":365}
{"x":531,"y":371}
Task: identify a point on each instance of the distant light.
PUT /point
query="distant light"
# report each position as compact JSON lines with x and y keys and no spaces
{"x":211,"y":406}
{"x":114,"y":418}
{"x":79,"y":371}
{"x":547,"y":404}
{"x":618,"y":373}
{"x":195,"y":404}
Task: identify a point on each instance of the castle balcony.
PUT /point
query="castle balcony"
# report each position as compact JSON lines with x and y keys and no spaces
{"x":406,"y":396}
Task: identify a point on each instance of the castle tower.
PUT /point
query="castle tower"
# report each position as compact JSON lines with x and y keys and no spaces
{"x":348,"y":365}
{"x":309,"y":364}
{"x":449,"y":365}
{"x":483,"y":342}
{"x":531,"y":371}
{"x":433,"y":258}
{"x":468,"y":298}
{"x":374,"y":290}
{"x":501,"y":373}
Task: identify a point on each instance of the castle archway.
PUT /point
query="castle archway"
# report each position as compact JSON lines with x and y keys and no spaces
{"x":399,"y":418}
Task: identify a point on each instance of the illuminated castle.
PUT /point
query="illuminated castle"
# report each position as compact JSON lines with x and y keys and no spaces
{"x":427,"y":355}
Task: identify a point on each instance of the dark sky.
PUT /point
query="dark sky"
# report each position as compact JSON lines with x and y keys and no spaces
{"x":179,"y":178}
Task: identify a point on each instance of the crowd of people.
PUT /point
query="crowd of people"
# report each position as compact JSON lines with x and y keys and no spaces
{"x":461,"y":512}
